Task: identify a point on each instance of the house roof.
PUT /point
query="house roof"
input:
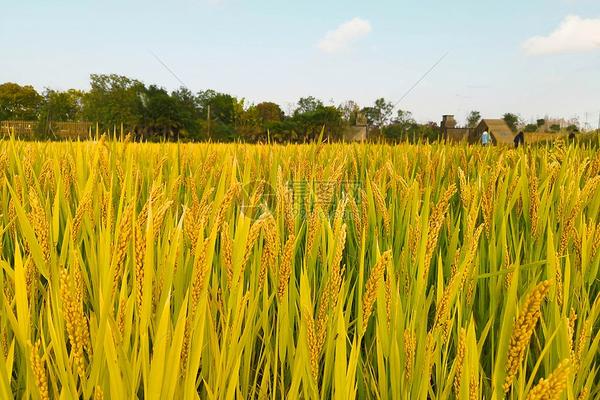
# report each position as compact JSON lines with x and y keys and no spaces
{"x":499,"y":130}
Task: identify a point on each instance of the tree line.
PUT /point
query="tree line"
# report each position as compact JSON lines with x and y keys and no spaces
{"x":153,"y":113}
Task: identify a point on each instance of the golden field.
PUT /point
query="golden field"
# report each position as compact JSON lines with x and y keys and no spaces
{"x":222,"y":271}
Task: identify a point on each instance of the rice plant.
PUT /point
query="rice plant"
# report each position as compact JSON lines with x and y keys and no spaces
{"x":186,"y":271}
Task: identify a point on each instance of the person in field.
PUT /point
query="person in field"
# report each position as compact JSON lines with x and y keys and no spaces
{"x":519,"y":139}
{"x":485,"y":138}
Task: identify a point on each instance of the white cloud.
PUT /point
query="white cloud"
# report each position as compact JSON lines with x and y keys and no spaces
{"x":575,"y":34}
{"x":344,"y":35}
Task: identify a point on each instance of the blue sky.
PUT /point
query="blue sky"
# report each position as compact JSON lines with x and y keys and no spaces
{"x":531,"y":57}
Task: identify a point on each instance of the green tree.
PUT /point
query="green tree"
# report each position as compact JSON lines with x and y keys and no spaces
{"x":530,"y":128}
{"x":350,"y":111}
{"x":572,"y":128}
{"x":311,"y":117}
{"x":473,"y":119}
{"x":61,"y":106}
{"x":268,"y":112}
{"x":512,"y":120}
{"x":114,"y":100}
{"x":239,"y":112}
{"x":404,"y":118}
{"x":403,"y":127}
{"x":307,"y":105}
{"x":555,"y":128}
{"x":188,"y":112}
{"x":260,"y":120}
{"x":218,"y":111}
{"x":381,"y":112}
{"x":408,"y":129}
{"x":19,"y":102}
{"x":429,"y":132}
{"x":160,"y":114}
{"x":540,"y":122}
{"x":222,"y":106}
{"x":331,"y":119}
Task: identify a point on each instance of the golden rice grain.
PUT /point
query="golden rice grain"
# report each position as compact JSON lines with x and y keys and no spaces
{"x":140,"y":253}
{"x":285,"y":268}
{"x":372,"y":286}
{"x":534,"y":201}
{"x":410,"y":344}
{"x":74,"y":320}
{"x":551,"y":387}
{"x":39,"y":370}
{"x":523,"y":329}
{"x":436,"y":220}
{"x":382,"y":208}
{"x":39,"y":221}
{"x":313,"y":347}
{"x":459,"y":361}
{"x":227,"y":253}
{"x":124,"y":234}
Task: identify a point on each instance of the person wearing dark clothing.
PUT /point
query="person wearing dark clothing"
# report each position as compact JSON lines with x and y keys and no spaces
{"x":519,"y":139}
{"x":572,"y":136}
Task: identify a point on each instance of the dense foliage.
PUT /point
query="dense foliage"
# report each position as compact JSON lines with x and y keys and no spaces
{"x":153,"y":113}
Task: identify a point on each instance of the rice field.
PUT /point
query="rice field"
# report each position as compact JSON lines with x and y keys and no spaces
{"x":231,"y":271}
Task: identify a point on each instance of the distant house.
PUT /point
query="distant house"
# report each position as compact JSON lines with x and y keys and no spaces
{"x":561,"y":122}
{"x":450,"y":132}
{"x":499,"y":131}
{"x":358,"y":131}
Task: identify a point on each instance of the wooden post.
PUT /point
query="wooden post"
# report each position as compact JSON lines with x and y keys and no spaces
{"x":208,"y":121}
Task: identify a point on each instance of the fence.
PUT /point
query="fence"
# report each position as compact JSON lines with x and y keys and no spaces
{"x":21,"y":129}
{"x":62,"y":130}
{"x":70,"y":130}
